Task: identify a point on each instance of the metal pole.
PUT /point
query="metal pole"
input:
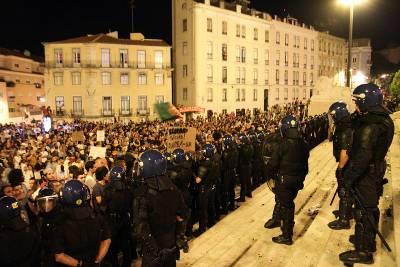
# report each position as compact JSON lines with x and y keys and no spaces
{"x":349,"y":58}
{"x":132,"y":4}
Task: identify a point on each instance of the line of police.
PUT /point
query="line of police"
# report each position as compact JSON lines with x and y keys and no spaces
{"x":169,"y":196}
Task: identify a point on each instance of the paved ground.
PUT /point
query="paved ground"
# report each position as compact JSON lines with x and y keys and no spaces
{"x":241,"y":240}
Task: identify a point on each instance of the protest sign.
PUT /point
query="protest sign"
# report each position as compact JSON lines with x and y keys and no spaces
{"x":78,"y":136}
{"x":181,"y":137}
{"x":100,"y":136}
{"x":97,"y":152}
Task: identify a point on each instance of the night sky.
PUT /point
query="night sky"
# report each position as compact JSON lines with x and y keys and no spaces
{"x":27,"y":23}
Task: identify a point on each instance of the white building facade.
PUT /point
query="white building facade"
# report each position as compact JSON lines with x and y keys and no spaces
{"x":228,"y":57}
{"x":361,"y":53}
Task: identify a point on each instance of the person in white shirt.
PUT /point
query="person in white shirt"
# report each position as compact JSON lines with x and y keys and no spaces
{"x":90,"y":180}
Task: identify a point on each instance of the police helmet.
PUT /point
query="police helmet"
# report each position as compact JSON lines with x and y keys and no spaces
{"x":46,"y":200}
{"x":117,"y":173}
{"x":151,"y":163}
{"x":367,"y":96}
{"x":228,"y":139}
{"x":74,"y":193}
{"x":188,"y":156}
{"x":338,"y":111}
{"x":244,"y":139}
{"x":209,"y":150}
{"x":253,"y":137}
{"x":288,"y":122}
{"x":10,"y":210}
{"x":178,"y":156}
{"x":167,"y":156}
{"x":260,"y":136}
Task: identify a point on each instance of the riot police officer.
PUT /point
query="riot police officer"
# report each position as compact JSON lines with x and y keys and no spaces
{"x":206,"y":176}
{"x":229,"y":164}
{"x":342,"y":141}
{"x":19,"y":245}
{"x":290,"y":162}
{"x":363,"y":177}
{"x":246,"y":152}
{"x":82,"y":239}
{"x":258,"y":139}
{"x":50,"y":216}
{"x":118,"y":201}
{"x":158,"y":205}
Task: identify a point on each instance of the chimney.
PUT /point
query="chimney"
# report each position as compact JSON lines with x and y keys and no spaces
{"x":136,"y":36}
{"x":238,"y":9}
{"x":113,"y":34}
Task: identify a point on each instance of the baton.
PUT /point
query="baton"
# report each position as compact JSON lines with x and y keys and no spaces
{"x":334,"y":196}
{"x":356,"y":194}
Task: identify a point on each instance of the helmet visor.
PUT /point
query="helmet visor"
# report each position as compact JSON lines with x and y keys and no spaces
{"x":46,"y":204}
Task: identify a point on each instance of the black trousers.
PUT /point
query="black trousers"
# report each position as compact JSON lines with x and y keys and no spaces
{"x":286,"y":189}
{"x":245,"y":179}
{"x":206,"y":201}
{"x":120,"y":241}
{"x":228,"y":188}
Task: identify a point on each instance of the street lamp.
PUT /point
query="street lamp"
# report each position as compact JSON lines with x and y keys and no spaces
{"x":351,"y":4}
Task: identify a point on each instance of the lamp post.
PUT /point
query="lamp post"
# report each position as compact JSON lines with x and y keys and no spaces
{"x":351,"y":4}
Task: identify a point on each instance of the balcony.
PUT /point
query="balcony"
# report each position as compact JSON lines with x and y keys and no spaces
{"x":77,"y":112}
{"x":143,"y":111}
{"x":112,"y":65}
{"x":255,"y":81}
{"x":125,"y":112}
{"x":107,"y":112}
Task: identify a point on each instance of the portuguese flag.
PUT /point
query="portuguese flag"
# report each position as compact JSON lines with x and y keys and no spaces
{"x":167,"y":111}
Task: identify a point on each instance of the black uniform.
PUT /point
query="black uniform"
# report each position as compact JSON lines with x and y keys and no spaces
{"x":372,"y":138}
{"x":229,"y":164}
{"x":246,"y":153}
{"x":257,"y":164}
{"x":118,"y":203}
{"x":156,"y":207}
{"x":80,"y":234}
{"x":290,"y":162}
{"x":343,"y":140}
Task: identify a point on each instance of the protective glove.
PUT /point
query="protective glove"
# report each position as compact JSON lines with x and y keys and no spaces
{"x":339,"y":176}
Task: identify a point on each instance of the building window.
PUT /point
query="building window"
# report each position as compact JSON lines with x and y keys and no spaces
{"x":142,"y":79}
{"x":77,"y":104}
{"x":224,"y":52}
{"x":237,"y":95}
{"x":158,"y":59}
{"x":225,"y":28}
{"x":124,"y":78}
{"x":105,"y":57}
{"x":106,"y":78}
{"x":184,"y":48}
{"x":277,"y":94}
{"x":311,"y":79}
{"x":184,"y":25}
{"x":76,"y":78}
{"x":237,"y":53}
{"x":243,"y":31}
{"x":142,"y":104}
{"x":238,"y":75}
{"x":304,"y":93}
{"x":266,"y":57}
{"x":286,"y":39}
{"x":210,"y":50}
{"x":285,"y":94}
{"x":286,"y":58}
{"x":255,"y":95}
{"x":266,"y":77}
{"x":237,"y":30}
{"x":305,"y":43}
{"x":11,"y":98}
{"x":224,"y":74}
{"x":255,"y":34}
{"x":76,"y":56}
{"x":209,"y":24}
{"x":243,"y":95}
{"x":209,"y":73}
{"x":312,"y":63}
{"x":243,"y":54}
{"x":107,"y":105}
{"x":159,"y":99}
{"x":267,"y":36}
{"x":209,"y":95}
{"x":59,"y":105}
{"x":141,"y":58}
{"x":255,"y":54}
{"x":286,"y":77}
{"x":125,"y":105}
{"x":305,"y":61}
{"x":277,"y":76}
{"x":255,"y":76}
{"x":224,"y":95}
{"x":58,"y":78}
{"x":312,"y":45}
{"x":184,"y":94}
{"x":16,"y":65}
{"x":278,"y":38}
{"x":185,"y":71}
{"x":159,"y":78}
{"x":58,"y":56}
{"x":293,"y":93}
{"x":243,"y":75}
{"x":123,"y":58}
{"x":278,"y":57}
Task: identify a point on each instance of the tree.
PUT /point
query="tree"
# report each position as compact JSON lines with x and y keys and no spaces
{"x":395,"y":85}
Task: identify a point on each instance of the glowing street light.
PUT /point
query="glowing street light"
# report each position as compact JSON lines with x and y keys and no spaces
{"x":351,"y":4}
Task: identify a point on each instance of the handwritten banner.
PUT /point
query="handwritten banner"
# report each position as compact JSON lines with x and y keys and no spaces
{"x":181,"y":137}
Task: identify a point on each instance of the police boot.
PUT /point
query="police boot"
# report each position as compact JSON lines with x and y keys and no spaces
{"x":275,"y":220}
{"x":287,"y":227}
{"x":361,"y":253}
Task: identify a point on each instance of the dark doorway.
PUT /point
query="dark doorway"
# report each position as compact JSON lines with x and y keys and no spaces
{"x":266,"y":100}
{"x":311,"y":92}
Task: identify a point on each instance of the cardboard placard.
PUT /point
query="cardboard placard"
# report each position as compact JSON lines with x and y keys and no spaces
{"x":78,"y":136}
{"x":100,"y":136}
{"x":97,"y":152}
{"x":181,"y":137}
